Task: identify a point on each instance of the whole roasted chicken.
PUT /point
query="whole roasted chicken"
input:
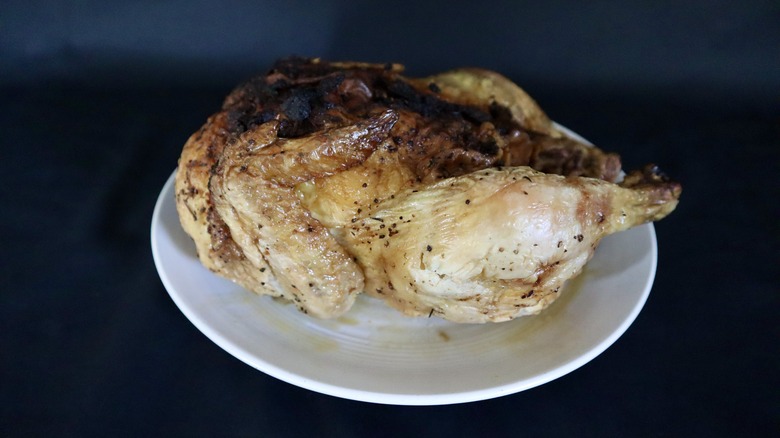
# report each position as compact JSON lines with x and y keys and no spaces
{"x":452,"y":195}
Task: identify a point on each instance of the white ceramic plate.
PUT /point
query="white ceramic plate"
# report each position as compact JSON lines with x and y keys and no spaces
{"x":376,"y":354}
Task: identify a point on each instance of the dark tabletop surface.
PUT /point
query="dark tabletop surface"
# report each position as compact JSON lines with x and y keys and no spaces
{"x":97,"y":100}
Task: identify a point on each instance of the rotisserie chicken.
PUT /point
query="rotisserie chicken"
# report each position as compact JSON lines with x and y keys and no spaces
{"x":452,"y":195}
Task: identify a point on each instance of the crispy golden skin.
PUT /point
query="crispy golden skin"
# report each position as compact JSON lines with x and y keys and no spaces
{"x":278,"y":187}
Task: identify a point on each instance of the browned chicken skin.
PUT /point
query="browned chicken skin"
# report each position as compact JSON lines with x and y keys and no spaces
{"x":282,"y":189}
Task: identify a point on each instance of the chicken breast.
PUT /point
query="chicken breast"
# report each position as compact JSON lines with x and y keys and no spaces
{"x":290,"y":189}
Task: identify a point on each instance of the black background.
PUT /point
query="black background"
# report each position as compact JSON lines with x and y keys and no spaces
{"x":96,"y":100}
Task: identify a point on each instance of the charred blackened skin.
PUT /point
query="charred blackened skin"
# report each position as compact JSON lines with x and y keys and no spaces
{"x":435,"y":138}
{"x":651,"y":178}
{"x":306,"y":96}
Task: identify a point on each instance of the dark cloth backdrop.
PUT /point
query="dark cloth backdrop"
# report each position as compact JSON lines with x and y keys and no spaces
{"x":96,"y":100}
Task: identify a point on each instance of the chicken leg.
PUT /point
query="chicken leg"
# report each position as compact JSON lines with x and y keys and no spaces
{"x":496,"y":244}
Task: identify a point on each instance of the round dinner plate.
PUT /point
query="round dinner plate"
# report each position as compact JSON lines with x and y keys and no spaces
{"x":376,"y":354}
